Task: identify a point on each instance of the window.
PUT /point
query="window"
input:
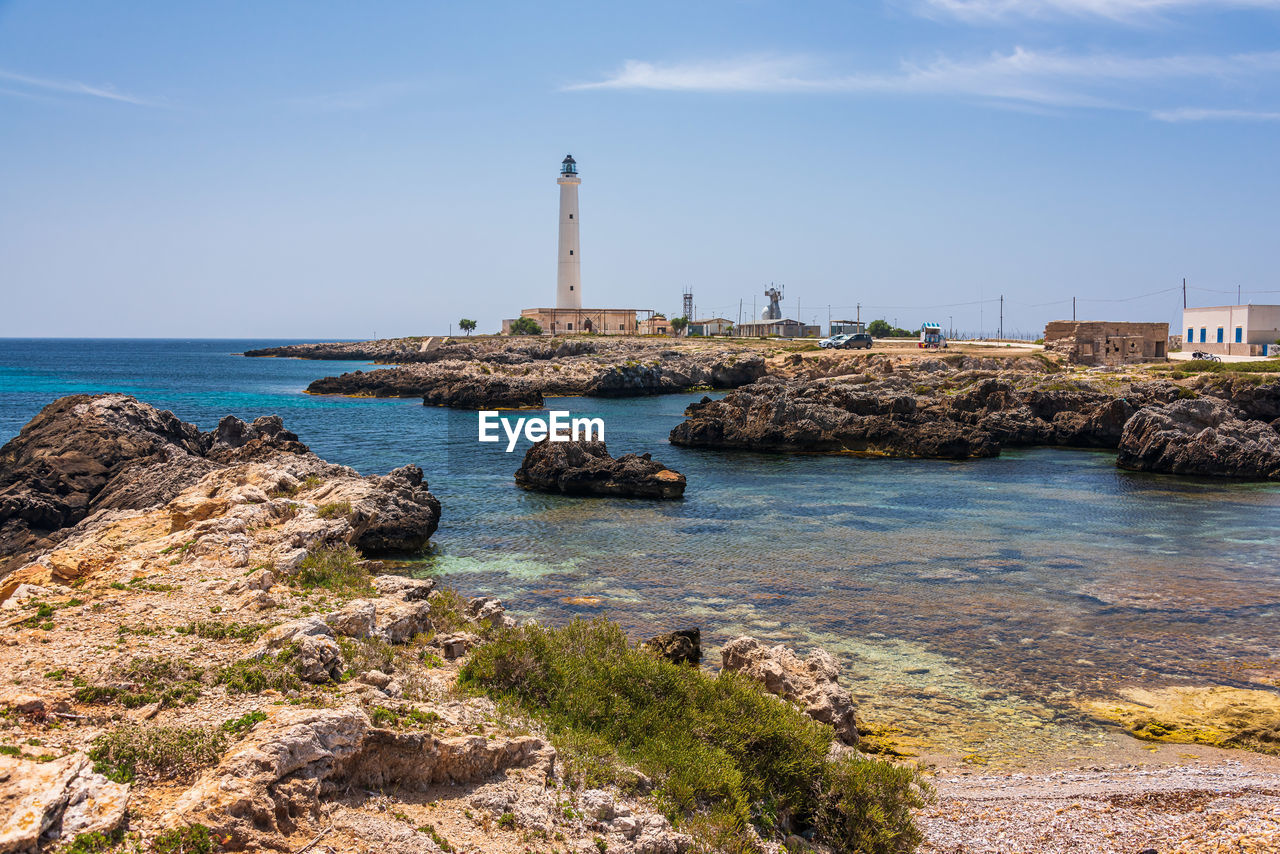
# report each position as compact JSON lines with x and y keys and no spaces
{"x":1202,"y":334}
{"x":571,"y":287}
{"x":570,"y":251}
{"x":1219,"y":334}
{"x":1239,"y":334}
{"x":570,"y":216}
{"x":570,"y":325}
{"x":1191,"y":335}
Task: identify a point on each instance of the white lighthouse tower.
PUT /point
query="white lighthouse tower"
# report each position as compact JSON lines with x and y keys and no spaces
{"x":569,"y":274}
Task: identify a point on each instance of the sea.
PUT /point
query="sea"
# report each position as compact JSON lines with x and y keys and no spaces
{"x":973,"y":605}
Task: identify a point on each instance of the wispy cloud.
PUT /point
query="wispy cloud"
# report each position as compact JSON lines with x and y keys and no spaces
{"x":1117,"y":10}
{"x":32,"y":85}
{"x":1196,"y":114}
{"x":1032,"y":77}
{"x":365,"y":98}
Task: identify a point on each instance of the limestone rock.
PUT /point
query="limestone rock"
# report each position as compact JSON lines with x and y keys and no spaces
{"x":270,"y":784}
{"x":398,"y":622}
{"x":356,"y":619}
{"x":1204,"y":436}
{"x":408,"y":589}
{"x":64,"y":796}
{"x":487,"y":609}
{"x":585,"y":468}
{"x":314,"y":653}
{"x":811,"y":683}
{"x":457,"y":644}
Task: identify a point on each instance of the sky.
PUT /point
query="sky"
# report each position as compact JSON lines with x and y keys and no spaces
{"x":338,"y":170}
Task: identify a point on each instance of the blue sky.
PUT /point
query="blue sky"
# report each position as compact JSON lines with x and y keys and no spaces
{"x":325,"y":170}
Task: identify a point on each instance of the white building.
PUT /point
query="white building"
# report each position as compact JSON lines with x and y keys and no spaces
{"x":569,"y":273}
{"x":1237,"y":330}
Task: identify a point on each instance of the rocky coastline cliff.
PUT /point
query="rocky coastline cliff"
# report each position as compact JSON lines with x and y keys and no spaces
{"x":498,"y":373}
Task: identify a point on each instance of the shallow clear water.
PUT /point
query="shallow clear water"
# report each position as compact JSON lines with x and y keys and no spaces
{"x":972,"y":602}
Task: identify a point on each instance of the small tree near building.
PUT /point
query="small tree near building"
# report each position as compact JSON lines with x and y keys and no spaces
{"x":467,"y":325}
{"x":679,"y":325}
{"x":525,"y":326}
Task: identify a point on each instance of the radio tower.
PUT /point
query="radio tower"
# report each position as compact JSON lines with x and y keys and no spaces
{"x":688,"y":303}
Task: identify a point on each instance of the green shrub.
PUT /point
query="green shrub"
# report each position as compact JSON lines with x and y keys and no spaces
{"x":244,"y":723}
{"x":447,"y":611}
{"x":150,"y":679}
{"x":129,"y":751}
{"x":364,"y":654}
{"x":255,"y":675}
{"x":333,"y":509}
{"x":403,"y":717}
{"x":192,"y":839}
{"x":335,"y":568}
{"x":716,"y":748}
{"x":213,"y":630}
{"x":94,"y":842}
{"x":1270,"y":366}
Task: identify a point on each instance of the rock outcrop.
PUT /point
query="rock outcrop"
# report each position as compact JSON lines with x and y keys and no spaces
{"x":83,"y":455}
{"x":960,"y":409}
{"x":516,"y":374}
{"x":272,"y":784}
{"x":45,"y":801}
{"x":484,"y":393}
{"x":586,"y":468}
{"x":1205,"y":436}
{"x":811,"y":683}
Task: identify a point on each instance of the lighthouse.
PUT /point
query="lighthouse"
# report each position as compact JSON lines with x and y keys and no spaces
{"x":569,"y":272}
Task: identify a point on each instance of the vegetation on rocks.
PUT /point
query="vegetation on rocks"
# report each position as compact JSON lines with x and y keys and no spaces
{"x":255,"y":675}
{"x":130,"y":751}
{"x":335,"y":568}
{"x":722,"y":754}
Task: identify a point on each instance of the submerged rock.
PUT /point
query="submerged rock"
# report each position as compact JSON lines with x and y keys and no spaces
{"x":1205,"y":436}
{"x":585,"y":468}
{"x":683,"y":646}
{"x":811,"y":683}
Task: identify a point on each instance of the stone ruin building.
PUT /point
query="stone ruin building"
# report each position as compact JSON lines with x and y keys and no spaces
{"x":1100,"y":342}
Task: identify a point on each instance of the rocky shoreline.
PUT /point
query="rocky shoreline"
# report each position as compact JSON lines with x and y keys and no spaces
{"x":498,"y":373}
{"x":966,"y":408}
{"x":198,"y":654}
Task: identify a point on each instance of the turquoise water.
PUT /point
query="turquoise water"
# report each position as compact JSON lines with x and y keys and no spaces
{"x":973,"y":603}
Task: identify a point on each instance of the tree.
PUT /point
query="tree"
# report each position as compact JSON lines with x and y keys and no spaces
{"x":679,"y":324}
{"x":525,"y":326}
{"x":879,"y":328}
{"x":467,"y":325}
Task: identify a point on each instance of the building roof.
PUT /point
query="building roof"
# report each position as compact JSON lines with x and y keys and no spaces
{"x":1245,"y":306}
{"x":712,"y":320}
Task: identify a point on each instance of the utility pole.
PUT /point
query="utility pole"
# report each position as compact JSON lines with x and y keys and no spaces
{"x":739,"y":311}
{"x":951,"y":326}
{"x":1073,"y":309}
{"x":1000,"y":335}
{"x":828,"y":318}
{"x":1184,"y":293}
{"x":1238,"y":296}
{"x":858,"y":319}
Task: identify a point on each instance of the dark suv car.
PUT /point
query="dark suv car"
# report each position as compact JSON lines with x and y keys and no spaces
{"x":857,"y":341}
